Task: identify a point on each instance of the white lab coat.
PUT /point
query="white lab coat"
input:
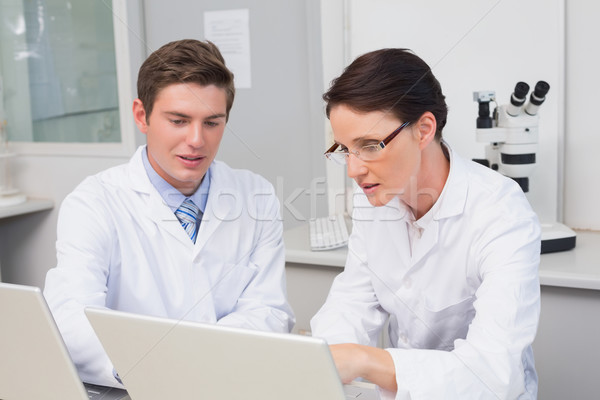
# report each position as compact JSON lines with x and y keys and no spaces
{"x":463,"y":302}
{"x":120,"y":246}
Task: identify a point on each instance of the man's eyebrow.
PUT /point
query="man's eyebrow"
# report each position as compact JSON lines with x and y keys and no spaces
{"x":215,"y":116}
{"x":182,"y":115}
{"x":177,"y":114}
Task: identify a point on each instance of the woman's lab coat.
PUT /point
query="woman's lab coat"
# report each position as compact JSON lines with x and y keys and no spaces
{"x":463,"y":301}
{"x":120,"y":246}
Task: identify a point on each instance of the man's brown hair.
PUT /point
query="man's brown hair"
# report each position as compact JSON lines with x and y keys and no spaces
{"x":183,"y":61}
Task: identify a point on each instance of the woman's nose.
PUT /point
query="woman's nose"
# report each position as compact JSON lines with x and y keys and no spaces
{"x":355,"y":166}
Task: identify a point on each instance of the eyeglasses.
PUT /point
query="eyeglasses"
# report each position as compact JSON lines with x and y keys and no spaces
{"x":367,"y":152}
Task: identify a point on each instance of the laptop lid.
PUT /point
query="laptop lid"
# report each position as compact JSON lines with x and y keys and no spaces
{"x":161,"y":358}
{"x":34,"y":361}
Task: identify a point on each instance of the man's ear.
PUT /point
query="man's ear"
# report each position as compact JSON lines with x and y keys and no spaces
{"x":139,"y":116}
{"x":427,"y":126}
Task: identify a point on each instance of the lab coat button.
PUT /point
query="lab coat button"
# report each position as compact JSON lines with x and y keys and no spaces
{"x":407,"y":283}
{"x":404,"y":338}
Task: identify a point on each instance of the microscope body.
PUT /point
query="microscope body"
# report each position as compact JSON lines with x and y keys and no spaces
{"x":512,"y":144}
{"x":512,"y":132}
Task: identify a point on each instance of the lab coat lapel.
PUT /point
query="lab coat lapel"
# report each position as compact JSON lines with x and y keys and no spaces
{"x":394,"y":223}
{"x":157,"y":210}
{"x":165,"y":218}
{"x":222,"y":203}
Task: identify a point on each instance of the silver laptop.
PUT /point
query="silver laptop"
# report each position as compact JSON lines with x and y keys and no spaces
{"x":161,"y":358}
{"x":34,"y":361}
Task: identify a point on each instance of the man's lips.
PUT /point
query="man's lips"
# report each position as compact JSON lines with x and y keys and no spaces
{"x":190,"y":157}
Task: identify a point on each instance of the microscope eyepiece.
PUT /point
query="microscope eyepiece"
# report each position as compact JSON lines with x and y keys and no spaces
{"x":537,"y":97}
{"x":521,"y":90}
{"x":540,"y":91}
{"x":517,"y":99}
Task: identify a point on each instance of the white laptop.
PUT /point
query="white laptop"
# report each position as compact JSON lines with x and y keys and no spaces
{"x":161,"y":358}
{"x":34,"y":361}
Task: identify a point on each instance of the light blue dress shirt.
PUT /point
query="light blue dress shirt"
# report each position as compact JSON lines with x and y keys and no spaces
{"x":172,"y":196}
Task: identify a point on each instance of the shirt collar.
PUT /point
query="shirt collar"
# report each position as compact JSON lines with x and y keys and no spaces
{"x":173,"y":197}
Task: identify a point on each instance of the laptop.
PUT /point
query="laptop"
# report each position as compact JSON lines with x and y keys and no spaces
{"x":34,"y":361}
{"x":160,"y":358}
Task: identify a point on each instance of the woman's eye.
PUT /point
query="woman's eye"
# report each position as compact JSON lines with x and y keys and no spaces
{"x":372,"y":148}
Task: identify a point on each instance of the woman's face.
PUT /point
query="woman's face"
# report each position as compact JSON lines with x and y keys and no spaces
{"x":394,"y":171}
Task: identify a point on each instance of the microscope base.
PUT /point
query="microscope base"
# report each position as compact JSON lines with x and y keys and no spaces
{"x":557,"y":237}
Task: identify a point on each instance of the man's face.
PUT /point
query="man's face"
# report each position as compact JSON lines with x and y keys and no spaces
{"x":183,"y":132}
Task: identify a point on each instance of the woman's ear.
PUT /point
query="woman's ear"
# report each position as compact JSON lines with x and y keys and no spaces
{"x":427,"y":126}
{"x":139,"y":116}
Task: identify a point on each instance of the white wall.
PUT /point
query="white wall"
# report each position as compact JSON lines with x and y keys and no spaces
{"x":276,"y":126}
{"x":479,"y":45}
{"x":474,"y":45}
{"x":582,"y":133}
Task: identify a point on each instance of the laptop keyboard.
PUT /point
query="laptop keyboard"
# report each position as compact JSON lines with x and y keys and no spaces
{"x":97,"y":392}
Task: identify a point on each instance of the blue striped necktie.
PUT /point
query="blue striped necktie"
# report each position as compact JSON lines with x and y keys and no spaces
{"x":187,"y":214}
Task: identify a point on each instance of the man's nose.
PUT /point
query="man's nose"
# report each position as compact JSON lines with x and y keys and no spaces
{"x":195,"y":137}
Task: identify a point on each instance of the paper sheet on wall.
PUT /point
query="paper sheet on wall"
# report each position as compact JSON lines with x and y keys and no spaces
{"x":230,"y":31}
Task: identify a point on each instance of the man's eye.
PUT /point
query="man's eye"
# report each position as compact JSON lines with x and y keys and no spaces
{"x":178,"y":121}
{"x":211,"y":123}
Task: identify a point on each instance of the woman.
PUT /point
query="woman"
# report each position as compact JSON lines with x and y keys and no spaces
{"x":444,"y":249}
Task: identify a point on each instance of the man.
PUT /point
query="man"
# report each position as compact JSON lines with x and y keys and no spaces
{"x":173,"y":233}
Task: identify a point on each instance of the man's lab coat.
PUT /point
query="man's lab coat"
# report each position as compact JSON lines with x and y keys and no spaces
{"x":463,"y":301}
{"x":120,"y":246}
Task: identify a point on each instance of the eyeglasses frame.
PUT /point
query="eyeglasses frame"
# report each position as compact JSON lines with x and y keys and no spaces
{"x":381,"y":144}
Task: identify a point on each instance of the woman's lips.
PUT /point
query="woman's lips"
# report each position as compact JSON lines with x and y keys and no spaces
{"x":369,"y":188}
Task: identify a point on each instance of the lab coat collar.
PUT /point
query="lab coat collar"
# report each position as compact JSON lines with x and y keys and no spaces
{"x":219,"y":207}
{"x":225,"y":203}
{"x":453,"y":198}
{"x":138,"y":178}
{"x":450,"y":203}
{"x":157,"y":209}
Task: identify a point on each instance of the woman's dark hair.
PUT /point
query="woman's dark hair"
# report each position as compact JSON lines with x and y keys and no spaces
{"x":390,"y":80}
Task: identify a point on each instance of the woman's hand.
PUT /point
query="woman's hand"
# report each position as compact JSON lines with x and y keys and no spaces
{"x":371,"y":363}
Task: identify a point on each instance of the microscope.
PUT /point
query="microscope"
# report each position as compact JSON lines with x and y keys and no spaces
{"x":512,"y":136}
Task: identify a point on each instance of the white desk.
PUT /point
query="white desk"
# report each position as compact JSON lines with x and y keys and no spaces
{"x":578,"y":268}
{"x":29,"y":206}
